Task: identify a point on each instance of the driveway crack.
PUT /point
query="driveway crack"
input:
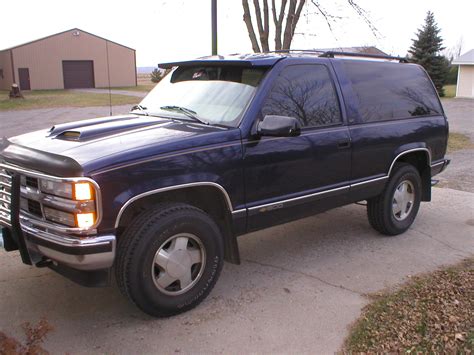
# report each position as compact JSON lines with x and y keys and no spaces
{"x":307,"y":275}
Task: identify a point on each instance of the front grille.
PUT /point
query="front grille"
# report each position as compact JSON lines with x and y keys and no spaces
{"x":31,"y":182}
{"x":34,"y":207}
{"x":5,"y":197}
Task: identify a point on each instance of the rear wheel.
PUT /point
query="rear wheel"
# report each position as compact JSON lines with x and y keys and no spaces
{"x":169,"y":259}
{"x":395,"y":209}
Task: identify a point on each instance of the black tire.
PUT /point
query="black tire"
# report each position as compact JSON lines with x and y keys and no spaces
{"x":380,"y":208}
{"x":146,"y":235}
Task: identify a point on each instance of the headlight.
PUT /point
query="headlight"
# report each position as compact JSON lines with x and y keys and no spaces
{"x":80,"y":191}
{"x":72,"y":204}
{"x":63,"y":189}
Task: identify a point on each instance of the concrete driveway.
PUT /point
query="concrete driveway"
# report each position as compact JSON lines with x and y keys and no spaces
{"x":460,"y":174}
{"x":298,"y":289}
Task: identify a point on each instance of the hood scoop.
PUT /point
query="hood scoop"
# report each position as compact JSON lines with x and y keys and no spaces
{"x":101,"y":127}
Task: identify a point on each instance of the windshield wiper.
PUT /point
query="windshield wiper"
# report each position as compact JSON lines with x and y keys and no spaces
{"x":186,"y":111}
{"x":140,"y":108}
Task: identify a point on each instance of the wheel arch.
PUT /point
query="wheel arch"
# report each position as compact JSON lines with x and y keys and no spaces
{"x":210,"y":197}
{"x":420,"y":158}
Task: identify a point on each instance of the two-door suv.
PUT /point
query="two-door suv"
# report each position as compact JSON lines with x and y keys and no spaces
{"x":222,"y":146}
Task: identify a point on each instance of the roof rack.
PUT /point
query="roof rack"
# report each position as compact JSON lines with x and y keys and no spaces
{"x":331,"y":54}
{"x":311,"y":51}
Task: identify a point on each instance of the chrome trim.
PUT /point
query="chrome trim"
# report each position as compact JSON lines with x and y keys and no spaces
{"x":61,"y":203}
{"x":436,"y":164}
{"x":350,"y":186}
{"x":27,"y":218}
{"x":5,"y":222}
{"x":66,"y":240}
{"x":170,"y":188}
{"x":267,"y":205}
{"x":242,"y":210}
{"x":5,"y":198}
{"x":52,"y":225}
{"x":409,"y":151}
{"x":81,"y":262}
{"x":369,"y":181}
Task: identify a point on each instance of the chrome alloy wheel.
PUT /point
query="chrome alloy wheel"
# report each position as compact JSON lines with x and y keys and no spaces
{"x":403,"y":200}
{"x":178,"y":264}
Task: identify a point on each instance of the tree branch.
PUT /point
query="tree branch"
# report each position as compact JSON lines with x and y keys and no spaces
{"x":260,"y":25}
{"x":278,"y":22}
{"x":266,"y":26}
{"x":248,"y":23}
{"x":290,"y":18}
{"x":363,"y":14}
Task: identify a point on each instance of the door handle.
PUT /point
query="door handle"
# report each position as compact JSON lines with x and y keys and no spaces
{"x":344,"y":144}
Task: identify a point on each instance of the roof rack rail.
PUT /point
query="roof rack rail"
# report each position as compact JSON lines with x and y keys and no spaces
{"x":311,"y":51}
{"x":331,"y":54}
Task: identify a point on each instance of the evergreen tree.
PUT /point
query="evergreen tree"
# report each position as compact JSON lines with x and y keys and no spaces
{"x":156,"y":75}
{"x":426,"y":51}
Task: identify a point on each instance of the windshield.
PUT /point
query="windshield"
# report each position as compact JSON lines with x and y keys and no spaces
{"x":208,"y":94}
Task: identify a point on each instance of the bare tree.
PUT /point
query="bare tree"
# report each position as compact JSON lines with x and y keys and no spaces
{"x":455,"y":51}
{"x":285,"y":20}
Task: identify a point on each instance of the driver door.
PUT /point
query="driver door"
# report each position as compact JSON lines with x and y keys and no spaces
{"x":287,"y":178}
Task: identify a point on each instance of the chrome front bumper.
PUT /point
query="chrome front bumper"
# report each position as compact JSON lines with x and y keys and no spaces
{"x":81,"y":253}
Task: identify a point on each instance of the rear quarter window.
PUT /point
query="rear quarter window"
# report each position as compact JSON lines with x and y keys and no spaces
{"x":390,"y":91}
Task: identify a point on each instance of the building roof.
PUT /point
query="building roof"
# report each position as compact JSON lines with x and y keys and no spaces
{"x":363,"y":50}
{"x":59,"y":33}
{"x":465,"y":59}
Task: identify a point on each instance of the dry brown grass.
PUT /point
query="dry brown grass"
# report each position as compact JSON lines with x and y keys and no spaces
{"x":459,"y":141}
{"x":433,"y":313}
{"x":35,"y":335}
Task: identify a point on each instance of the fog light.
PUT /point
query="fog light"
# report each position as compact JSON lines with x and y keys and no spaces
{"x":85,"y":220}
{"x":82,"y":191}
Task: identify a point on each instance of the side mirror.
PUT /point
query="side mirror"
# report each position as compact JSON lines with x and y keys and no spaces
{"x":279,"y":126}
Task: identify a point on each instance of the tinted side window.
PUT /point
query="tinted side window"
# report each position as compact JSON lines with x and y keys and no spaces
{"x":305,"y":92}
{"x":388,"y":91}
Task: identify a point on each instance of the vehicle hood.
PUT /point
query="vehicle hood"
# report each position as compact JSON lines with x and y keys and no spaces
{"x":83,"y":147}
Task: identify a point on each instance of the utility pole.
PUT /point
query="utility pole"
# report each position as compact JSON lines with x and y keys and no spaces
{"x":214,"y":26}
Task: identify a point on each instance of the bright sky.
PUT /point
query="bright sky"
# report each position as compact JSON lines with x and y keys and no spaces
{"x":165,"y":30}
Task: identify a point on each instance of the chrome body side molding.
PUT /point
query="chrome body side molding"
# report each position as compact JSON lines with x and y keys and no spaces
{"x":409,"y":151}
{"x":174,"y":187}
{"x":273,"y":205}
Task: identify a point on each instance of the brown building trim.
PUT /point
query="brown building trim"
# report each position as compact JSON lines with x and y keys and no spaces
{"x":135,"y":62}
{"x":13,"y":67}
{"x":60,"y":33}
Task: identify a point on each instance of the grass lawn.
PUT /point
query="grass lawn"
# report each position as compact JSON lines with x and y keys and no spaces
{"x":61,"y":98}
{"x":449,"y":91}
{"x":139,"y":87}
{"x":458,"y":141}
{"x":431,"y":314}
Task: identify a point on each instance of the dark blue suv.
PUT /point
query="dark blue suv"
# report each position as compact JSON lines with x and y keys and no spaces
{"x":222,"y":146}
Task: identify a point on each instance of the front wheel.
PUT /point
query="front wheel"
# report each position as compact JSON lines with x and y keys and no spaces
{"x":395,"y":209}
{"x":169,"y":259}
